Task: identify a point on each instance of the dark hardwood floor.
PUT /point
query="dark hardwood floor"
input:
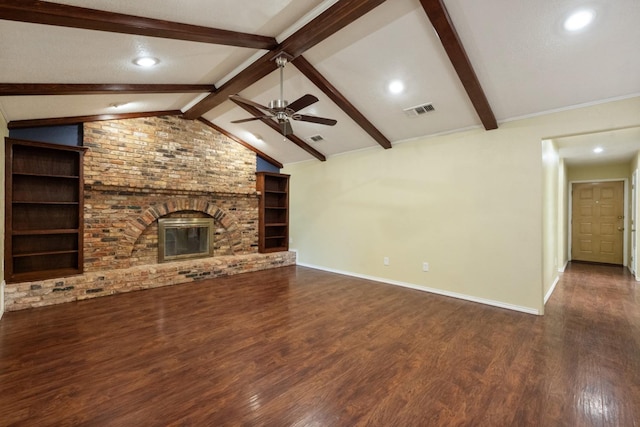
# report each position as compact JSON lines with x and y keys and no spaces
{"x":299,"y":347}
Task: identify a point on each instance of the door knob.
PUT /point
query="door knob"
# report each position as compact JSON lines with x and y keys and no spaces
{"x":620,"y":228}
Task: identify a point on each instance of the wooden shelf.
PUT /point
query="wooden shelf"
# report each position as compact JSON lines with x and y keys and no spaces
{"x":43,"y":210}
{"x":29,"y":276}
{"x":42,"y":175}
{"x":273,"y":233}
{"x":43,"y":253}
{"x":33,"y":202}
{"x":45,"y":231}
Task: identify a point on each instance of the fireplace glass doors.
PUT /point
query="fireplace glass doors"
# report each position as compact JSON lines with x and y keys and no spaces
{"x":183,"y":238}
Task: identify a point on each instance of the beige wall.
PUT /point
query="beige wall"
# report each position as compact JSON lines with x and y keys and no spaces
{"x":470,"y":204}
{"x":550,"y":220}
{"x":597,"y":172}
{"x":563,"y":216}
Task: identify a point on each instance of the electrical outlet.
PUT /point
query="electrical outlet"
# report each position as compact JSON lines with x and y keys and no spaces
{"x":425,"y":266}
{"x":385,"y":260}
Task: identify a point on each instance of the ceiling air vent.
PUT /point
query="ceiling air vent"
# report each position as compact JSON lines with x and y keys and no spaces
{"x":315,"y":138}
{"x":419,"y":110}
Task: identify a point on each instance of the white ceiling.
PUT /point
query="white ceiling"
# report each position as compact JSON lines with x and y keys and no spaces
{"x":525,"y":61}
{"x":617,"y":146}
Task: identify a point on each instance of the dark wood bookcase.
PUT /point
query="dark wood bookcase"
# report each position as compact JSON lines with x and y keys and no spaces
{"x":43,"y":210}
{"x":273,"y":234}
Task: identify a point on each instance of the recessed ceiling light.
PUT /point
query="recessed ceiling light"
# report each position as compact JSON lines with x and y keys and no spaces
{"x":146,"y":61}
{"x":598,"y":150}
{"x":578,"y":20}
{"x":396,"y":87}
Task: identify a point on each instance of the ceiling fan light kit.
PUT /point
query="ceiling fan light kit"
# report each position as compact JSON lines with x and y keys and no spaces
{"x":280,"y":109}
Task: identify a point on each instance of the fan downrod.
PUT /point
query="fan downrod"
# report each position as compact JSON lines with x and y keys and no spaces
{"x":280,"y":104}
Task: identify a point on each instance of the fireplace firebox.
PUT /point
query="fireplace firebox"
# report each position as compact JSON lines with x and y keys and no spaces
{"x":184,"y":238}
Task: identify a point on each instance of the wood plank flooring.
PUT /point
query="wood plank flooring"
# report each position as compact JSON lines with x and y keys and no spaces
{"x":299,"y":347}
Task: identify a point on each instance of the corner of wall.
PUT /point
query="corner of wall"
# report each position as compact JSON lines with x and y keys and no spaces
{"x":551,"y":226}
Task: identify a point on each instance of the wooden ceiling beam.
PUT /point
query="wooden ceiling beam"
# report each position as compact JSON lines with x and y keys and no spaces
{"x":340,"y":100}
{"x":338,"y":16}
{"x":275,"y":126}
{"x":329,"y":22}
{"x":441,"y":21}
{"x":27,"y":89}
{"x":19,"y":124}
{"x":41,"y":12}
{"x":241,"y":142}
{"x":254,"y":72}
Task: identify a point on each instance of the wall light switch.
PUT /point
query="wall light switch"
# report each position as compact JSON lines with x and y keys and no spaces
{"x":425,"y":266}
{"x":386,"y":260}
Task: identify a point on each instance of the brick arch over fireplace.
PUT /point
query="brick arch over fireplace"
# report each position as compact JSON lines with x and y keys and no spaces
{"x":136,"y":226}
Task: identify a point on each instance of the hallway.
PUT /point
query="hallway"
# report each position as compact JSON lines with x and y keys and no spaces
{"x":590,"y":347}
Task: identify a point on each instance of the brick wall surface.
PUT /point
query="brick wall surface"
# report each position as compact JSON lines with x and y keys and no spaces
{"x":137,"y":171}
{"x":166,"y":152}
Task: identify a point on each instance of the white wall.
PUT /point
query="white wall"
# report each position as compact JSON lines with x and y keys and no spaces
{"x":470,"y":204}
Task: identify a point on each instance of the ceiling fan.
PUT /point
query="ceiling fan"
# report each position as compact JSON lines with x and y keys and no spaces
{"x":280,"y":109}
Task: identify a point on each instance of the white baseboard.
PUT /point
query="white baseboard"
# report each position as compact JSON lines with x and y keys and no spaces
{"x":427,"y":289}
{"x":635,"y":275}
{"x":551,"y":289}
{"x":564,"y":267}
{"x":2,"y":298}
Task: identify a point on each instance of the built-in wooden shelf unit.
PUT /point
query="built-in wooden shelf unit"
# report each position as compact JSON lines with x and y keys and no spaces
{"x":273,"y":235}
{"x":43,"y":210}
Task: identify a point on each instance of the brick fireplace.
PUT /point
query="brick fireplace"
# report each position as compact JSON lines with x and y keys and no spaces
{"x":138,"y":171}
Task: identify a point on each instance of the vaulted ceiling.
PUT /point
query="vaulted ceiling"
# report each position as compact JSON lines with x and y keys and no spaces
{"x":478,"y":63}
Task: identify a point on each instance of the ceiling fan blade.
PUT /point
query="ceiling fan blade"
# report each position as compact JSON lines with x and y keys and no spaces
{"x":285,"y":127}
{"x":314,"y":119}
{"x":303,"y":101}
{"x":250,"y":119}
{"x":246,"y":101}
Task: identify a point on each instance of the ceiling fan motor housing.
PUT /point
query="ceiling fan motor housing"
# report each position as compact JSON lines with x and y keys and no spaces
{"x":278,"y":104}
